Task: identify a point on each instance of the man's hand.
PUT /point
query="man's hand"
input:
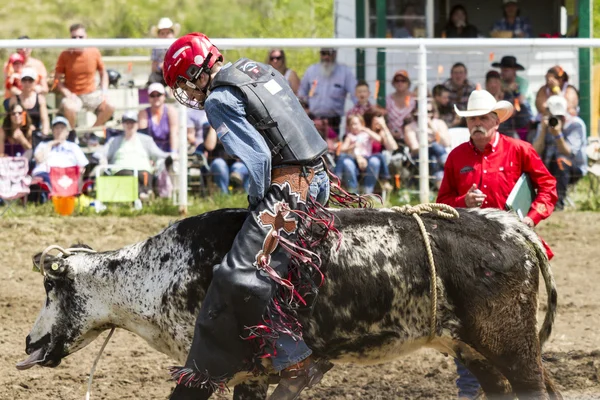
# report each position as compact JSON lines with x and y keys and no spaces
{"x":474,"y":197}
{"x":529,"y":222}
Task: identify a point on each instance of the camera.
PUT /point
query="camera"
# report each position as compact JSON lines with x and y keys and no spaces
{"x":552,"y":121}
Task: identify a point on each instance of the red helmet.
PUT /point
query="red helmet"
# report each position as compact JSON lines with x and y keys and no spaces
{"x":188,"y":57}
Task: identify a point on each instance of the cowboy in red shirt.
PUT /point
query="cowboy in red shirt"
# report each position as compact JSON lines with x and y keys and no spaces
{"x":483,"y":171}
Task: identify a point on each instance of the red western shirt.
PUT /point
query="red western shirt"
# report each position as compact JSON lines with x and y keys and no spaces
{"x":496,"y":171}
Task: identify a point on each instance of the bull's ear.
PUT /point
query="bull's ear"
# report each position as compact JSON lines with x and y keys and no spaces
{"x":36,"y":262}
{"x":52,"y":265}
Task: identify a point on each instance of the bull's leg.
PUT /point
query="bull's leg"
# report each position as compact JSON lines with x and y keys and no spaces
{"x":515,"y":352}
{"x":493,"y":383}
{"x":254,"y":390}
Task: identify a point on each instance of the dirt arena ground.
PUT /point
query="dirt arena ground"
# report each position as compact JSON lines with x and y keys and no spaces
{"x":130,"y":369}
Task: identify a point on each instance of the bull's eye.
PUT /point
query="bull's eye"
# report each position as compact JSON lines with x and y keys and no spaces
{"x":49,"y":285}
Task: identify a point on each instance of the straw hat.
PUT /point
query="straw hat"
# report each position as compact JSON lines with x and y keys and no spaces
{"x":165,"y":23}
{"x":481,"y":102}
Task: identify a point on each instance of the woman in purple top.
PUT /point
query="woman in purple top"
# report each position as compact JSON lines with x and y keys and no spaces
{"x":160,"y":119}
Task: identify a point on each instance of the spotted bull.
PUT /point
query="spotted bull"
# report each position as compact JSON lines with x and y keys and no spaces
{"x":373,"y":308}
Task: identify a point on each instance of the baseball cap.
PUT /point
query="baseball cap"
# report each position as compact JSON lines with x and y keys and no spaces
{"x":15,"y":57}
{"x":28,"y":73}
{"x":156,"y":87}
{"x":509,"y":1}
{"x":130,"y":116}
{"x":557,"y":105}
{"x":401,"y":72}
{"x":61,"y":120}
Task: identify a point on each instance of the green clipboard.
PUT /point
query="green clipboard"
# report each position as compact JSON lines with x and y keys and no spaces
{"x":522,"y":196}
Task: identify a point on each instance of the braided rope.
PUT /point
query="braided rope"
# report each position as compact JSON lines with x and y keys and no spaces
{"x":442,"y":211}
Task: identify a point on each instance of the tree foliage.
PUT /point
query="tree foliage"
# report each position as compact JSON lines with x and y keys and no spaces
{"x":133,"y":19}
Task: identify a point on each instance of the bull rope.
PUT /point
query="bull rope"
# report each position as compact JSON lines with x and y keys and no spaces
{"x":68,"y":252}
{"x":440,"y":210}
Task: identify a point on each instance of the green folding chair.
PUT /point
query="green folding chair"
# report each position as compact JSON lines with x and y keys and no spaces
{"x":116,"y":188}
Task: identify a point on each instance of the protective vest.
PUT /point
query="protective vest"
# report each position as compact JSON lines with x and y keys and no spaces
{"x":273,"y":109}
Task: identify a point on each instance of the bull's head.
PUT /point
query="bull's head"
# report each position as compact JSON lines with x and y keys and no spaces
{"x":64,"y":323}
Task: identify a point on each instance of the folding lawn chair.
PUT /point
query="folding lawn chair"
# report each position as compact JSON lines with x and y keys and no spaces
{"x":116,"y":188}
{"x":14,"y":180}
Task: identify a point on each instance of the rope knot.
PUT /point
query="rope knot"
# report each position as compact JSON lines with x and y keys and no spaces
{"x":438,"y":209}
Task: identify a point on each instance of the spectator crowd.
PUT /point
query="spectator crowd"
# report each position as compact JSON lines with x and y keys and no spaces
{"x":372,"y":147}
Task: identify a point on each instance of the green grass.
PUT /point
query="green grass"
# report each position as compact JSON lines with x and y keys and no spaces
{"x":585,"y":196}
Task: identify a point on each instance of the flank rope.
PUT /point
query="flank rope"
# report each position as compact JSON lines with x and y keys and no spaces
{"x":442,"y":211}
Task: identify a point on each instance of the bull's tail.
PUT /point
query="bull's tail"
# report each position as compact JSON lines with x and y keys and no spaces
{"x":544,"y":265}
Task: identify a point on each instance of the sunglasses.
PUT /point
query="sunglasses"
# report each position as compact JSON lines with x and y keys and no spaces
{"x":154,"y":95}
{"x":17,"y":113}
{"x":273,"y":58}
{"x":326,"y":53}
{"x":77,"y":37}
{"x":401,"y":80}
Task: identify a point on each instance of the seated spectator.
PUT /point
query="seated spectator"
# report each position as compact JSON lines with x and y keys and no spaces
{"x":411,"y":23}
{"x":33,"y":102}
{"x":363,"y":94}
{"x":41,"y":83}
{"x":197,"y":128}
{"x":515,"y":89}
{"x":278,"y":61}
{"x":223,"y":168}
{"x":12,"y":77}
{"x":15,"y":136}
{"x":133,"y":151}
{"x":78,"y":68}
{"x":561,"y":143}
{"x":510,"y":80}
{"x":458,"y":25}
{"x":557,"y":83}
{"x":459,"y":86}
{"x":327,"y":133}
{"x":357,"y":154}
{"x":160,"y":120}
{"x":399,"y":104}
{"x":441,"y":103}
{"x":58,"y":152}
{"x":438,"y":139}
{"x":493,"y":84}
{"x":375,"y":121}
{"x":165,"y":29}
{"x":325,"y":86}
{"x":520,"y":27}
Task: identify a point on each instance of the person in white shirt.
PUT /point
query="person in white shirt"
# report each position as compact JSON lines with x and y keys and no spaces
{"x":58,"y":152}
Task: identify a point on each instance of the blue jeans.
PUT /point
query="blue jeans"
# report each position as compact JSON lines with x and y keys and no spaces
{"x":437,"y":159}
{"x":376,"y":168}
{"x":347,"y":170}
{"x":220,"y":172}
{"x":466,"y":383}
{"x":290,"y":351}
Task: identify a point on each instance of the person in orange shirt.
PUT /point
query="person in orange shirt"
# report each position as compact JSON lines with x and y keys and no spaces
{"x":75,"y":74}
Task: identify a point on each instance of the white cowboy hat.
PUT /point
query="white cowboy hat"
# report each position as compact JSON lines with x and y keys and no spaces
{"x":481,"y":102}
{"x":165,"y":23}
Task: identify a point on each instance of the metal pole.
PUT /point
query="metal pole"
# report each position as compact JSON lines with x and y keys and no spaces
{"x":423,"y":140}
{"x":429,"y":18}
{"x":183,"y":176}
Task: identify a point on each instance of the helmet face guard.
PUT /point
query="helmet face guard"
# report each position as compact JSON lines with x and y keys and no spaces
{"x":193,"y":73}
